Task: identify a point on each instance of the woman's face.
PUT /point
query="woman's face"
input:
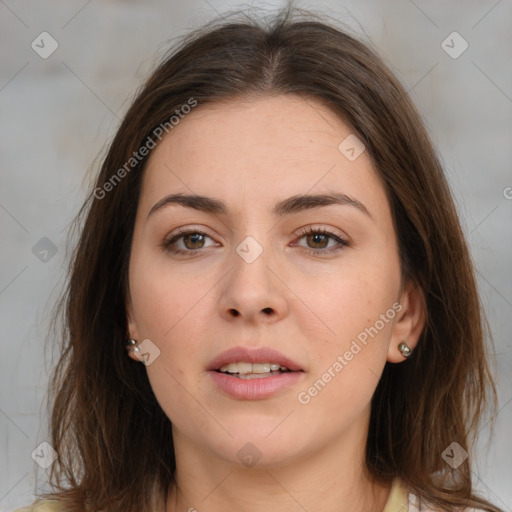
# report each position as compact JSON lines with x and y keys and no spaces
{"x":329,"y":302}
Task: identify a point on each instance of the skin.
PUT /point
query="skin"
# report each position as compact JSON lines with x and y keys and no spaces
{"x":252,"y":154}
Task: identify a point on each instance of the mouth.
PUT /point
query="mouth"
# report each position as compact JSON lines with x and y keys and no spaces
{"x":246,"y":370}
{"x":254,"y":374}
{"x":263,"y":361}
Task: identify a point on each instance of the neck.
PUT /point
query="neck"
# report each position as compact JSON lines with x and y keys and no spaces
{"x":332,"y":478}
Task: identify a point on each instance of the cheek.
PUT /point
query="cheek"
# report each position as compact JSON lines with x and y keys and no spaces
{"x":172,"y":314}
{"x":343,"y":303}
{"x":176,"y":394}
{"x":350,"y":334}
{"x":163,"y":298}
{"x":346,"y":366}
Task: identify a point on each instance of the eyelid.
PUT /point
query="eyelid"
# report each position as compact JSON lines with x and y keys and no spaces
{"x":188,"y":229}
{"x":320,"y":228}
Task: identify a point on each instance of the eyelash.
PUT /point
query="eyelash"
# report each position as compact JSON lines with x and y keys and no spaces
{"x":342,"y":243}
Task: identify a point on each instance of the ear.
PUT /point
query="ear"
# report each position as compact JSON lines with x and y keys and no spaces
{"x":409,"y":322}
{"x":133,"y":332}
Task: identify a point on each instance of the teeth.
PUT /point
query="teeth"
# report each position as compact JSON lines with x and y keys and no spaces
{"x":260,"y":368}
{"x":244,"y":368}
{"x":231,"y":368}
{"x":249,"y":376}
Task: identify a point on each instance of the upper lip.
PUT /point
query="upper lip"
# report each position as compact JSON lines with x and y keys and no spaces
{"x":255,"y":355}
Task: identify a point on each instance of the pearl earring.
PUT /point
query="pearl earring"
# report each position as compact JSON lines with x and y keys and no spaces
{"x":405,"y":350}
{"x":130,"y":346}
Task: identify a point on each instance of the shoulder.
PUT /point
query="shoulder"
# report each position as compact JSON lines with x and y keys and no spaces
{"x":43,"y":506}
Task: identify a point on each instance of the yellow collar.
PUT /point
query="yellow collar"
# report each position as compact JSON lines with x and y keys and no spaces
{"x":398,"y":500}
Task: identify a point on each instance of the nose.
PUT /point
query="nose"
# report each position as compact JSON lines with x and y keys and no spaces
{"x":253,"y":292}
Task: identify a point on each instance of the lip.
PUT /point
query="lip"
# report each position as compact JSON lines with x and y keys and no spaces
{"x":256,"y":355}
{"x":254,"y":389}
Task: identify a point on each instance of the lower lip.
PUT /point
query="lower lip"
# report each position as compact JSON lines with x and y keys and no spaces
{"x":254,"y":389}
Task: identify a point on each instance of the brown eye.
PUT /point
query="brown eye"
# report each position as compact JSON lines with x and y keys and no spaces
{"x":317,"y":241}
{"x":186,"y":242}
{"x":193,"y":241}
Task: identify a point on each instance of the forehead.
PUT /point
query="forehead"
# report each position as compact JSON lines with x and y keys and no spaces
{"x":256,"y":149}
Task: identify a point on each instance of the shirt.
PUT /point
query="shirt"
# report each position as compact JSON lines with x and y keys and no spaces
{"x":399,"y":500}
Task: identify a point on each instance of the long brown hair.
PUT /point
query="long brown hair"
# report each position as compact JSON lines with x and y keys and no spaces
{"x":114,"y":442}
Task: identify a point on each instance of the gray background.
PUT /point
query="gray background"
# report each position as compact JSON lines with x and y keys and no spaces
{"x":57,"y":114}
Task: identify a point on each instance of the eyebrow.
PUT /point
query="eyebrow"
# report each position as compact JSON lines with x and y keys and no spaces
{"x":294,"y":204}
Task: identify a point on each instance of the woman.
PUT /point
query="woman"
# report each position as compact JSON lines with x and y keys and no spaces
{"x":272,"y":239}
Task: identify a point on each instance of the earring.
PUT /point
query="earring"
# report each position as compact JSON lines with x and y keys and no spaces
{"x":130,"y":346}
{"x":405,"y":350}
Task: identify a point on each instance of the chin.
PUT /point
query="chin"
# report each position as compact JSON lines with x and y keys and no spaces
{"x":256,"y":448}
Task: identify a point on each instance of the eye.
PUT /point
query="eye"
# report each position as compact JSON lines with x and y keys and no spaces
{"x":318,"y":241}
{"x":191,"y":240}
